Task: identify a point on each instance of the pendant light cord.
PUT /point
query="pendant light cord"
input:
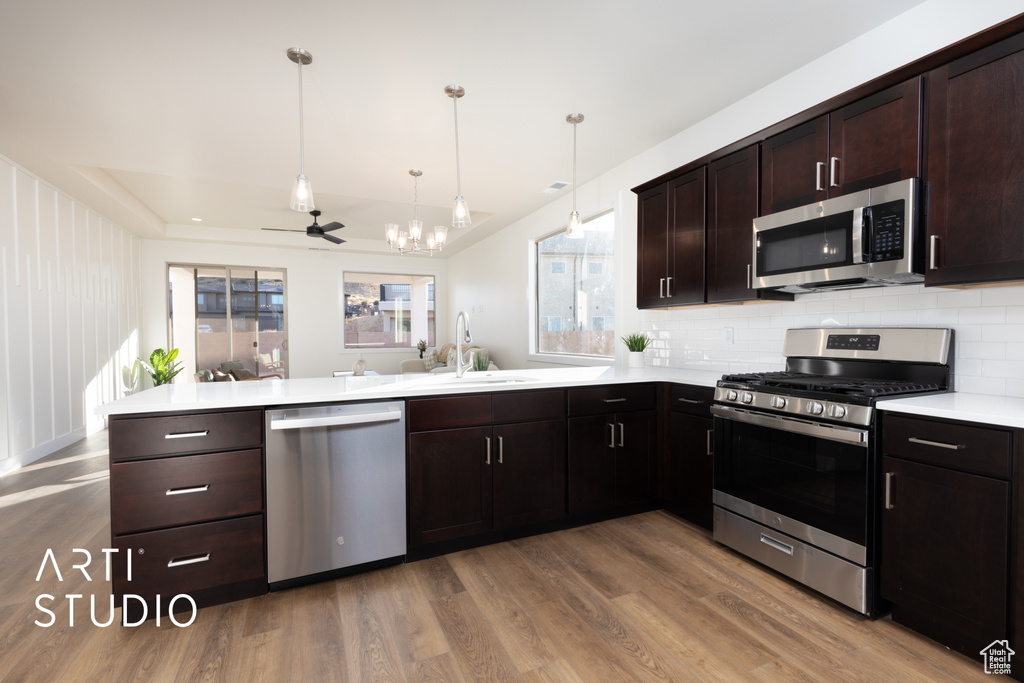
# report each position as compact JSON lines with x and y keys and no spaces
{"x":302,"y":166}
{"x":458,"y":173}
{"x":573,"y":168}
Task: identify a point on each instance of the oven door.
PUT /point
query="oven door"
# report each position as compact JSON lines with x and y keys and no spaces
{"x":807,"y":479}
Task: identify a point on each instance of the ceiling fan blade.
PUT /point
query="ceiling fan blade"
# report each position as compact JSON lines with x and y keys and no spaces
{"x":333,"y":239}
{"x":282,"y":230}
{"x":333,"y":225}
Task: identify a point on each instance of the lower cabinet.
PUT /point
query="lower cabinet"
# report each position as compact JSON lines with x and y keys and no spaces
{"x":691,"y":454}
{"x":507,"y":473}
{"x":612,"y":453}
{"x":946,"y":519}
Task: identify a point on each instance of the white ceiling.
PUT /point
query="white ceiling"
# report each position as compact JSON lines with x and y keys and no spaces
{"x":158,"y":112}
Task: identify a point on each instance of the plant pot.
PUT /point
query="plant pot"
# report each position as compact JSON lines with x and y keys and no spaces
{"x":636,"y":359}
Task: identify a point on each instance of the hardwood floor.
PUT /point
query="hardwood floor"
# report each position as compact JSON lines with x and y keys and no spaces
{"x":647,"y":597}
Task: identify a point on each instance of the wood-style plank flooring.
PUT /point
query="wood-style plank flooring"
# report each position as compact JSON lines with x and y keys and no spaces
{"x":647,"y":597}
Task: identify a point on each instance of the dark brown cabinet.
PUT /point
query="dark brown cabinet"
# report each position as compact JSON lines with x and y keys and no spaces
{"x":504,"y":469}
{"x":946,"y":515}
{"x":691,"y":452}
{"x":671,"y":242}
{"x":612,"y":440}
{"x":976,"y":180}
{"x":732,"y":208}
{"x":873,"y":141}
{"x":186,"y":500}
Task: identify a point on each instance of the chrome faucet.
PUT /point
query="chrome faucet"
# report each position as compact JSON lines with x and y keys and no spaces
{"x":462,"y":335}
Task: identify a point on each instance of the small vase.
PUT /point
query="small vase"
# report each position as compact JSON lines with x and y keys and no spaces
{"x":636,"y":359}
{"x":359,"y":367}
{"x":421,"y":353}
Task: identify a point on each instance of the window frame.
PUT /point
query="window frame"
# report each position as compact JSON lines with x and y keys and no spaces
{"x":614,"y":207}
{"x":439,"y":318}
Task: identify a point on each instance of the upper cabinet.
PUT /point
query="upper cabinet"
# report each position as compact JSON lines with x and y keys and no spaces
{"x":975,"y":170}
{"x":732,"y":208}
{"x":870,"y":142}
{"x":671,"y":239}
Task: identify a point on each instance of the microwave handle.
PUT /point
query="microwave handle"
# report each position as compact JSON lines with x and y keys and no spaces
{"x":861,"y":229}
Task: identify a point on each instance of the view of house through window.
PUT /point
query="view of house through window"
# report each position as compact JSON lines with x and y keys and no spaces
{"x":221,"y":314}
{"x":576,"y":292}
{"x":388,"y":311}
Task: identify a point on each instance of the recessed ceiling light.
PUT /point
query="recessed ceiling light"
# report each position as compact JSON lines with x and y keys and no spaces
{"x":554,"y":187}
{"x":197,"y":220}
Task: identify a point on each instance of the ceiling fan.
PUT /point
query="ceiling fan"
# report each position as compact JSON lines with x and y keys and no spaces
{"x":316,"y":230}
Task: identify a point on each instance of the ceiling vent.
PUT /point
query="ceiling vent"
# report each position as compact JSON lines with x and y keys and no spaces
{"x":555,"y":187}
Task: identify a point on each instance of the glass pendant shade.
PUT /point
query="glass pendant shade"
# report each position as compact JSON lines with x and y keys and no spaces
{"x":302,"y":195}
{"x":415,"y":230}
{"x":391,"y":233}
{"x":460,"y":214}
{"x":440,"y":235}
{"x":575,"y":228}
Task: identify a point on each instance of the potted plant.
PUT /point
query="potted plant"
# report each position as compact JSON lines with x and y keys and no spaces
{"x":422,"y":346}
{"x":162,"y":366}
{"x":636,"y":343}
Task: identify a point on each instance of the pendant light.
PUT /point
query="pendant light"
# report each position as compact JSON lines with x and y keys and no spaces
{"x":302,"y":193}
{"x":460,"y":210}
{"x":408,"y":241}
{"x":575,"y":227}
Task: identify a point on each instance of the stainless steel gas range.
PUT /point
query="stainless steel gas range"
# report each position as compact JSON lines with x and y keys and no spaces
{"x":796,"y":477}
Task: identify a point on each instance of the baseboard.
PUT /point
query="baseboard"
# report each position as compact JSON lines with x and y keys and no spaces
{"x":16,"y":462}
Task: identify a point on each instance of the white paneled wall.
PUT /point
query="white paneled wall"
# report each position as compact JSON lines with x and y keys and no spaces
{"x":69,"y":316}
{"x":988,"y":322}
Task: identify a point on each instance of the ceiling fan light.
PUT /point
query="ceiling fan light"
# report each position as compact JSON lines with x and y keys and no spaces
{"x":575,"y":228}
{"x":460,"y":214}
{"x":302,"y":195}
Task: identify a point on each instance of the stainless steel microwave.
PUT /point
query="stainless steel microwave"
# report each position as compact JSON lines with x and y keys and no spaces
{"x":865,"y":239}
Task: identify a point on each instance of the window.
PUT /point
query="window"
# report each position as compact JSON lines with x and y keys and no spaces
{"x":582,"y":299}
{"x":388,"y":310}
{"x":221,"y":313}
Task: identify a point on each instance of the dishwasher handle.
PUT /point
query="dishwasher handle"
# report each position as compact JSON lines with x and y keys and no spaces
{"x":336,"y":420}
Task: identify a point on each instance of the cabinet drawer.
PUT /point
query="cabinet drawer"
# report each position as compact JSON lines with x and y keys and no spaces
{"x":191,"y":558}
{"x":519,"y":406}
{"x":612,"y":398}
{"x":448,"y":411}
{"x":686,"y":398}
{"x":133,"y":438}
{"x":969,"y":448}
{"x":148,"y":494}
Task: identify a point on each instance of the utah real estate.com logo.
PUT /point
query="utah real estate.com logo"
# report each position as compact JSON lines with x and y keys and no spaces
{"x":997,"y":657}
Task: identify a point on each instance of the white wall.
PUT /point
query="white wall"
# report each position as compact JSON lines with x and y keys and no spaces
{"x":69,"y":316}
{"x":495,"y":272}
{"x":313,"y":299}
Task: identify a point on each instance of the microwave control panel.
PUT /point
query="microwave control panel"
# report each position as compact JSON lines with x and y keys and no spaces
{"x":888,"y":227}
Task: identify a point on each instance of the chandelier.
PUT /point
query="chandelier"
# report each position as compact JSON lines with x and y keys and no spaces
{"x":408,"y":241}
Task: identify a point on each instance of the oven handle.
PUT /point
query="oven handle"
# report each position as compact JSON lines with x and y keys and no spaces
{"x":857,"y":437}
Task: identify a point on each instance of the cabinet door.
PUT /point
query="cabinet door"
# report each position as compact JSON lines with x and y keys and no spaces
{"x":529,"y":474}
{"x":634,"y":456}
{"x":732,"y":208}
{"x":691,"y":467}
{"x":687,"y":211}
{"x":449,"y":484}
{"x":936,"y":529}
{"x":794,"y":171}
{"x":591,"y":463}
{"x":976,"y":179}
{"x":652,"y":246}
{"x":876,"y":140}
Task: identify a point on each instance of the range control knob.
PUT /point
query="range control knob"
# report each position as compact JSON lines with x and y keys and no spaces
{"x":730,"y":395}
{"x":815,"y":408}
{"x":747,"y":397}
{"x":836,"y":411}
{"x":778,"y":402}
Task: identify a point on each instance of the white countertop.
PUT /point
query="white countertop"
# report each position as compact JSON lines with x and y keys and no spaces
{"x":274,"y":392}
{"x":1005,"y":411}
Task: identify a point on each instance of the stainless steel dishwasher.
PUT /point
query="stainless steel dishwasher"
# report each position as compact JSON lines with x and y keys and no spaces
{"x":335,"y":489}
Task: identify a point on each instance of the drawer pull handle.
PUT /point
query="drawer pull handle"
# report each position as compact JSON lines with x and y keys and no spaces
{"x":711,"y":442}
{"x":501,"y":450}
{"x":778,"y":545}
{"x":613,"y":400}
{"x":691,"y":400}
{"x":189,"y":560}
{"x":937,"y":444}
{"x":186,"y":435}
{"x":192,"y":489}
{"x":488,"y":440}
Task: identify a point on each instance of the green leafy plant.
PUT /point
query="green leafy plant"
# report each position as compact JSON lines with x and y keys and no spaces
{"x":636,"y":342}
{"x":161,"y":366}
{"x":481,"y":361}
{"x":421,"y":345}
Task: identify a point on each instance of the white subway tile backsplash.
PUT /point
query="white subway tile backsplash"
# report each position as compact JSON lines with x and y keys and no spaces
{"x":989,"y":326}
